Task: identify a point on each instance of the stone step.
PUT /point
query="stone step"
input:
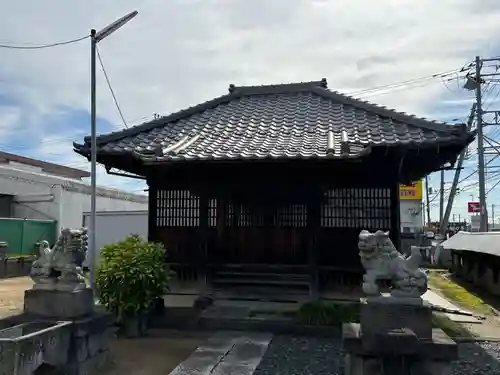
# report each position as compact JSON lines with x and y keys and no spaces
{"x":226,"y":353}
{"x":251,"y":281}
{"x":263,"y":275}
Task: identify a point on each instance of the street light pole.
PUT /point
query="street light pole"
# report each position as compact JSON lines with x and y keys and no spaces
{"x":93,"y":158}
{"x":96,"y":37}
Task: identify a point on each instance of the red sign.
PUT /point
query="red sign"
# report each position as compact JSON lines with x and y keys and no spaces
{"x":473,"y":207}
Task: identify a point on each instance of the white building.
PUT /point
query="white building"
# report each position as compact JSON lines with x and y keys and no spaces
{"x":35,"y":189}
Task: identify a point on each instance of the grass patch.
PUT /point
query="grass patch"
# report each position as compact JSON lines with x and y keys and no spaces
{"x":451,"y":328}
{"x":327,"y":313}
{"x":317,"y":313}
{"x":333,"y":314}
{"x":18,"y":255}
{"x":458,"y":294}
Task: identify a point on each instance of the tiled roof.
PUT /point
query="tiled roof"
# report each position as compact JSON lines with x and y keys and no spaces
{"x":301,"y":120}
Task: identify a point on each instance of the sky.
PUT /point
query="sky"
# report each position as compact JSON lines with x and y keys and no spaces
{"x":179,"y":53}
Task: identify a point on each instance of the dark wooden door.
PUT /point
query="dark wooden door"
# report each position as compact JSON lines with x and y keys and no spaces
{"x":259,"y":235}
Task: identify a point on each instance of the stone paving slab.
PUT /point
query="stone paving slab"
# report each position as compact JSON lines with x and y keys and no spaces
{"x":436,"y":300}
{"x":226,"y":353}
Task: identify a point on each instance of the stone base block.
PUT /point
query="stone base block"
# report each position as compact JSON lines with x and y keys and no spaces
{"x":381,"y":317}
{"x":402,"y":344}
{"x":398,"y":352}
{"x":58,"y":304}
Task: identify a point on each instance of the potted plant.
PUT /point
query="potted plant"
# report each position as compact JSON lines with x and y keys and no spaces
{"x":131,"y":274}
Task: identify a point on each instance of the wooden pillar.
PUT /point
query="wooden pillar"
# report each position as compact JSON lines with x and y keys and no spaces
{"x":313,"y":224}
{"x":395,"y":231}
{"x":158,"y":304}
{"x":152,"y":212}
{"x":204,"y":271}
{"x":221,"y":224}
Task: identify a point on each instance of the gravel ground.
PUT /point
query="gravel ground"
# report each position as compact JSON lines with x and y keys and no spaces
{"x":306,"y":356}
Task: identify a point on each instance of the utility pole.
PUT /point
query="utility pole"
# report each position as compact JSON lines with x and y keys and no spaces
{"x":441,"y":198}
{"x":427,"y":199}
{"x":492,"y":216}
{"x":483,"y":226}
{"x":453,"y":191}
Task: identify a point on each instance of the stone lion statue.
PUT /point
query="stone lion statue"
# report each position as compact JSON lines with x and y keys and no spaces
{"x":381,"y":259}
{"x":61,"y":266}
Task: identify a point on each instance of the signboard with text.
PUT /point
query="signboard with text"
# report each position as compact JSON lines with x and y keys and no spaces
{"x":473,"y":207}
{"x":413,"y":191}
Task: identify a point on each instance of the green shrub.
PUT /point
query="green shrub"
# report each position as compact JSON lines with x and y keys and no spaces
{"x":130,"y":275}
{"x":327,"y":314}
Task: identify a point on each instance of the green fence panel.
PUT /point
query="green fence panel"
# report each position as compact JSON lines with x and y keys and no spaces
{"x":23,"y":234}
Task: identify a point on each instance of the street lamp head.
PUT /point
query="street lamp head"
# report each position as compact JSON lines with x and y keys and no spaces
{"x":100,"y":35}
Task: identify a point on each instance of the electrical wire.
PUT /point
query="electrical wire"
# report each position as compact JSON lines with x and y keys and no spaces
{"x":493,"y":187}
{"x":43,"y":46}
{"x":404,"y":83}
{"x":111,"y":88}
{"x":402,"y":88}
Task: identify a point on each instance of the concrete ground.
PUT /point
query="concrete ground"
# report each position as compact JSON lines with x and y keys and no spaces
{"x":12,"y":295}
{"x":437,"y":300}
{"x":486,"y":329}
{"x":150,"y":355}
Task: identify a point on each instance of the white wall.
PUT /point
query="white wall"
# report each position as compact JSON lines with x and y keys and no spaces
{"x":49,"y":197}
{"x":407,"y":206}
{"x":115,"y":226}
{"x":76,"y":203}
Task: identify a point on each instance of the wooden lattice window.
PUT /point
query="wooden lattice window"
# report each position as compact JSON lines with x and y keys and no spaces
{"x":241,"y":215}
{"x":357,"y":208}
{"x":177,"y":208}
{"x":293,"y":215}
{"x":212,"y":212}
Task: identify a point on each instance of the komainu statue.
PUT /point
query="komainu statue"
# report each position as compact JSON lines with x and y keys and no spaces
{"x":61,"y":267}
{"x":382,"y":260}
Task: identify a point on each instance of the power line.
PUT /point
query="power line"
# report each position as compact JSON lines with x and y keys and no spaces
{"x":405,"y":83}
{"x":111,"y":88}
{"x":42,"y":46}
{"x":404,"y":88}
{"x":493,"y":187}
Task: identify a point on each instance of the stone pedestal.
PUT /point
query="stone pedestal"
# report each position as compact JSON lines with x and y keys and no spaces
{"x":387,"y":313}
{"x":396,"y":339}
{"x":60,"y":304}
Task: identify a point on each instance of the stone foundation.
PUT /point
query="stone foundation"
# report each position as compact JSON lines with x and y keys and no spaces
{"x":89,"y":350}
{"x":396,"y":338}
{"x":485,"y":280}
{"x":398,"y":352}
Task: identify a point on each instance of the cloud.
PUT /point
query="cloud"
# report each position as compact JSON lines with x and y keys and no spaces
{"x":10,"y":117}
{"x":181,"y":52}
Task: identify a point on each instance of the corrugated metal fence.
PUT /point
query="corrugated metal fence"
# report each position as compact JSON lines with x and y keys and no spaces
{"x":21,"y":235}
